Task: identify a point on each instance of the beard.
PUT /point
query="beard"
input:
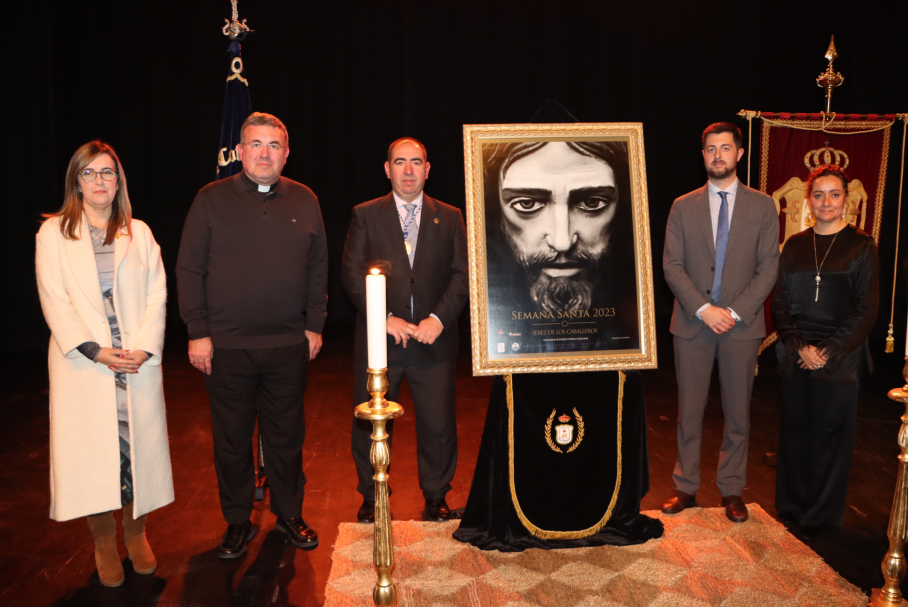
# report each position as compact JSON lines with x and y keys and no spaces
{"x":729,"y":170}
{"x":553,"y":293}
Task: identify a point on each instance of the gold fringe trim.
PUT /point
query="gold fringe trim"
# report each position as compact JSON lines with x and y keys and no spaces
{"x":811,"y":125}
{"x":890,"y":341}
{"x":764,"y":157}
{"x":768,"y":341}
{"x":561,"y":535}
{"x":878,"y":203}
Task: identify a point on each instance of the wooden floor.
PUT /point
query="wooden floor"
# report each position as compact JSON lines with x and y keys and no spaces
{"x":45,"y":563}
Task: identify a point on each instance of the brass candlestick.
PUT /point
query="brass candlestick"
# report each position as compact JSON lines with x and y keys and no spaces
{"x":379,"y":411}
{"x":894,"y":564}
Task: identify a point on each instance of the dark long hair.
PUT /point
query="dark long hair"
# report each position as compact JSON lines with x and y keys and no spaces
{"x":70,"y":213}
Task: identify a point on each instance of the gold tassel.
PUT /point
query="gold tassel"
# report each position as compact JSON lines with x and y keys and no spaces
{"x":890,"y":342}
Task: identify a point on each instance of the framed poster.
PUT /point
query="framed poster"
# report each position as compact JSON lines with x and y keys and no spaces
{"x":559,"y":245}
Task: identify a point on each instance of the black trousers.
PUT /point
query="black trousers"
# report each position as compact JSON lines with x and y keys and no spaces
{"x":269,"y":383}
{"x":816,"y":442}
{"x":434,"y":403}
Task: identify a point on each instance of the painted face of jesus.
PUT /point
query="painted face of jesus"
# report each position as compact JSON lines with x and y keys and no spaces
{"x":557,"y":206}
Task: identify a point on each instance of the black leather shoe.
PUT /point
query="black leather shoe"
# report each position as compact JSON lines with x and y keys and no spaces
{"x":812,"y":532}
{"x":735,"y":509}
{"x":366,"y":513}
{"x":679,"y":502}
{"x":301,"y":535}
{"x":437,"y":511}
{"x":233,"y":544}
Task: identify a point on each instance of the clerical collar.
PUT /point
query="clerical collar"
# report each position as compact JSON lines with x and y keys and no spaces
{"x":259,"y":187}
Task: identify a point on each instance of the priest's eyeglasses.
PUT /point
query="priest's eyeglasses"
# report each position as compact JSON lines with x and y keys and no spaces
{"x":90,"y":174}
{"x":257,"y":145}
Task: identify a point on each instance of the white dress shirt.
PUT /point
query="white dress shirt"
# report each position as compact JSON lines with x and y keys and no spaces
{"x":402,"y":212}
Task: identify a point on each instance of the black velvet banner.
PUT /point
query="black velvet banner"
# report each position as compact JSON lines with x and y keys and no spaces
{"x":566,"y":450}
{"x":237,"y":107}
{"x":491,"y":520}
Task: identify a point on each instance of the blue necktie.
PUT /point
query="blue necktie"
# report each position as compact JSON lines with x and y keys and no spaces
{"x":721,"y":245}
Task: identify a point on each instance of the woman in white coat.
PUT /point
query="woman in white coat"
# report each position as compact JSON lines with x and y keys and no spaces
{"x":103,"y":293}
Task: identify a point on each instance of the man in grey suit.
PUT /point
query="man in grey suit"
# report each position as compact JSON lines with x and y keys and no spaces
{"x":720,"y":260}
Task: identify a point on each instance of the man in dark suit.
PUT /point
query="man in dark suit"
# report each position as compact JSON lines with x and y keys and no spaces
{"x":420,"y":244}
{"x":721,"y":258}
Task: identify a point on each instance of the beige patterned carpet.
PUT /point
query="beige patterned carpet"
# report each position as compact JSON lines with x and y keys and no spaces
{"x":702,"y":561}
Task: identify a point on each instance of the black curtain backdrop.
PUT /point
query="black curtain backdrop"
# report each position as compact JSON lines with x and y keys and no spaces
{"x":348,"y":78}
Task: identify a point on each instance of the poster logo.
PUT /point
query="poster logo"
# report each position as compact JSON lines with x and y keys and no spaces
{"x":564,"y":431}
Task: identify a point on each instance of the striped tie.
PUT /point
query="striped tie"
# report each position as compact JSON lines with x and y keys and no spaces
{"x":411,"y":230}
{"x":721,"y":245}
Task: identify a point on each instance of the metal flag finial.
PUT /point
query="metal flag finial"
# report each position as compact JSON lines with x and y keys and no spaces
{"x":830,"y":53}
{"x":829,"y":79}
{"x":234,"y":27}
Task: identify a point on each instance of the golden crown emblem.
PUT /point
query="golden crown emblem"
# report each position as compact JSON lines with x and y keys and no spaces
{"x":812,"y":159}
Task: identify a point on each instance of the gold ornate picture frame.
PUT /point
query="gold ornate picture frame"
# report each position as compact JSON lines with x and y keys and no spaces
{"x":559,"y":245}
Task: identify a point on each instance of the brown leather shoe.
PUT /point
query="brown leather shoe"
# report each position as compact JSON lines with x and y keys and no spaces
{"x":679,"y":502}
{"x":735,"y":509}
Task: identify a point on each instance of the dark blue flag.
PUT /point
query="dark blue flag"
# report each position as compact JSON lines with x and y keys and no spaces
{"x":237,"y":108}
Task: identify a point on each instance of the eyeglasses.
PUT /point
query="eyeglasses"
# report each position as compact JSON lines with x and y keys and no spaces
{"x":90,"y":174}
{"x":257,"y":145}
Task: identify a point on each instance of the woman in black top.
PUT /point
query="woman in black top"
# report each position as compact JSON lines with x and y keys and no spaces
{"x":824,"y":305}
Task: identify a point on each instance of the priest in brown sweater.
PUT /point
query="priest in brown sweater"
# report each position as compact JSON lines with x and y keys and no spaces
{"x":252,"y":276}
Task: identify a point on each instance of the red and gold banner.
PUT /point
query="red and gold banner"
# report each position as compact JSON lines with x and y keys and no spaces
{"x":792,"y":145}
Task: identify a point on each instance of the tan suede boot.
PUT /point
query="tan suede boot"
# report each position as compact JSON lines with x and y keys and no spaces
{"x":143,"y":560}
{"x":104,"y":530}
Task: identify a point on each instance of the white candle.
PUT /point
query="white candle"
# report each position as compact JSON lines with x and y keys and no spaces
{"x":376,"y":320}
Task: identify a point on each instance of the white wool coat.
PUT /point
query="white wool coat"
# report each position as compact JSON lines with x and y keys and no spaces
{"x":84,"y":440}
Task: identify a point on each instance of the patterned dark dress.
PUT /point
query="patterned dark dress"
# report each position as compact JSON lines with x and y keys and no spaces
{"x":104,"y":257}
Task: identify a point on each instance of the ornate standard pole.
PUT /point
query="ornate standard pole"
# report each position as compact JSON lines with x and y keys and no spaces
{"x":894,"y":564}
{"x":234,"y":27}
{"x":379,"y":411}
{"x":829,"y":80}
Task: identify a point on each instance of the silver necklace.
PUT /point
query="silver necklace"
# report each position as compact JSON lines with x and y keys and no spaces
{"x":819,"y":266}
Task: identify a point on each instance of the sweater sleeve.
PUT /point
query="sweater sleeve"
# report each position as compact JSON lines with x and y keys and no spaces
{"x":192,"y":268}
{"x":317,"y":272}
{"x":90,"y":350}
